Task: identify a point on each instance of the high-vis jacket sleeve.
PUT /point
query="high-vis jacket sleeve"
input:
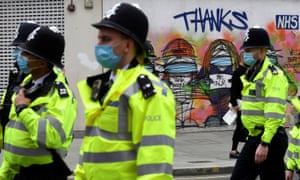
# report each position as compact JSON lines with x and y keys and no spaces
{"x":154,"y":129}
{"x":53,"y":127}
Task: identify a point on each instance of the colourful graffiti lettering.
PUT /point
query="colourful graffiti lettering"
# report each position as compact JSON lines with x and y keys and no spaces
{"x":216,"y":20}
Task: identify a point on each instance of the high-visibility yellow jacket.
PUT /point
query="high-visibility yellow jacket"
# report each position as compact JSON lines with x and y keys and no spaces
{"x":264,"y":101}
{"x":47,"y":122}
{"x":293,"y":152}
{"x":128,"y":136}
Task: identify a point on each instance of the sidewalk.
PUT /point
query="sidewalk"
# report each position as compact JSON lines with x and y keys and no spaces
{"x":197,"y":151}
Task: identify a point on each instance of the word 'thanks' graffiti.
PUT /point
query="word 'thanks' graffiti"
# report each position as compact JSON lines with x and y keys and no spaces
{"x":216,"y":20}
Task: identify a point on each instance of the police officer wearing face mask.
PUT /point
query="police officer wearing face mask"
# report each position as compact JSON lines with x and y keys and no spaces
{"x":130,"y":112}
{"x":15,"y":77}
{"x":42,"y":114}
{"x":264,"y":105}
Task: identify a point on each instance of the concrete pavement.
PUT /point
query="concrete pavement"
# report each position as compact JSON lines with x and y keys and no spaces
{"x":198,"y":151}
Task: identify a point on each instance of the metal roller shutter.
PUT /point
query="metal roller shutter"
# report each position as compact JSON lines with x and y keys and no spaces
{"x":13,"y":12}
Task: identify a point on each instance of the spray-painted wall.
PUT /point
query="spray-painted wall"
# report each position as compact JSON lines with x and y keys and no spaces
{"x":197,"y":45}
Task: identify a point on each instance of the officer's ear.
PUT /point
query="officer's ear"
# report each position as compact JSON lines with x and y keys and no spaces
{"x":129,"y":44}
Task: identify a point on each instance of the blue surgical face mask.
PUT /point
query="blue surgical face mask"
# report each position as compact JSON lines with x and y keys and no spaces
{"x":23,"y":64}
{"x":249,"y":59}
{"x":16,"y":53}
{"x":106,"y":57}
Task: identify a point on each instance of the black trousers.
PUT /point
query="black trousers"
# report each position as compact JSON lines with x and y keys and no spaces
{"x":272,"y":168}
{"x":40,"y":172}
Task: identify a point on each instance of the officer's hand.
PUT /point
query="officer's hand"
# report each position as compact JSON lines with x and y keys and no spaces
{"x":261,"y":153}
{"x":21,"y":99}
{"x":289,"y":175}
{"x":236,"y":108}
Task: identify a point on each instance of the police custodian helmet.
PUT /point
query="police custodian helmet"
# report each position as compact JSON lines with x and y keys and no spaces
{"x":23,"y":30}
{"x":256,"y":37}
{"x":128,"y":19}
{"x":46,"y":43}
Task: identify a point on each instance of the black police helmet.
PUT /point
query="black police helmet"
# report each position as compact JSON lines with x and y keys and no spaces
{"x":128,"y":19}
{"x":46,"y":43}
{"x":256,"y":37}
{"x":23,"y":30}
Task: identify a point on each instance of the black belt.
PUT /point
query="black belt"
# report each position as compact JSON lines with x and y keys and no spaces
{"x":280,"y":130}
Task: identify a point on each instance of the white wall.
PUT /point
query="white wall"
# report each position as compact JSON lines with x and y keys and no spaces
{"x":81,"y":38}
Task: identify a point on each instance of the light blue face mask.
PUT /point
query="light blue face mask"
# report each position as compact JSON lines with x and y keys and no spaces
{"x":106,"y":57}
{"x":249,"y":59}
{"x":16,"y":53}
{"x":23,"y":64}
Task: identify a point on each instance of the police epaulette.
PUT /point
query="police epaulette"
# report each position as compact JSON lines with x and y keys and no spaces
{"x":62,"y":90}
{"x":273,"y":69}
{"x":146,"y":86}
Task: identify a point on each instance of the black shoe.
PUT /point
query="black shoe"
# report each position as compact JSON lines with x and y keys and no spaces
{"x":234,"y":155}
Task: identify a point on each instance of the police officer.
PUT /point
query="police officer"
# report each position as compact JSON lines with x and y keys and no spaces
{"x":17,"y":74}
{"x":263,"y":112}
{"x":42,"y":113}
{"x":293,"y":159}
{"x":130,"y":113}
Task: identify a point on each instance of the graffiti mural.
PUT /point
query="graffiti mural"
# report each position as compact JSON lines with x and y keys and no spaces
{"x":219,"y":62}
{"x":197,"y":46}
{"x":178,"y":68}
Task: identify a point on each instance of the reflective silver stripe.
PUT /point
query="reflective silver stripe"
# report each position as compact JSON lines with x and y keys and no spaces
{"x":253,"y":99}
{"x":95,"y":131}
{"x":124,"y":106}
{"x":42,"y":129}
{"x":161,"y":84}
{"x":261,"y":113}
{"x":275,"y":100}
{"x":293,"y":155}
{"x":157,"y":140}
{"x":123,"y":115}
{"x":16,"y":125}
{"x":26,"y":151}
{"x":253,"y":112}
{"x":295,"y":141}
{"x":266,"y":100}
{"x":154,"y":169}
{"x":259,"y":87}
{"x":108,"y":157}
{"x":274,"y":115}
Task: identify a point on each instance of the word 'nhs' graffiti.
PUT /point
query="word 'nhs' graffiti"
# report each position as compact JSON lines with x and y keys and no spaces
{"x":215,"y":20}
{"x":289,"y":22}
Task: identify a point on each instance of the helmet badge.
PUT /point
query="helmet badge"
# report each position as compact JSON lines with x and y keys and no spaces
{"x":246,"y":36}
{"x":112,"y":11}
{"x":32,"y":34}
{"x":54,"y":29}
